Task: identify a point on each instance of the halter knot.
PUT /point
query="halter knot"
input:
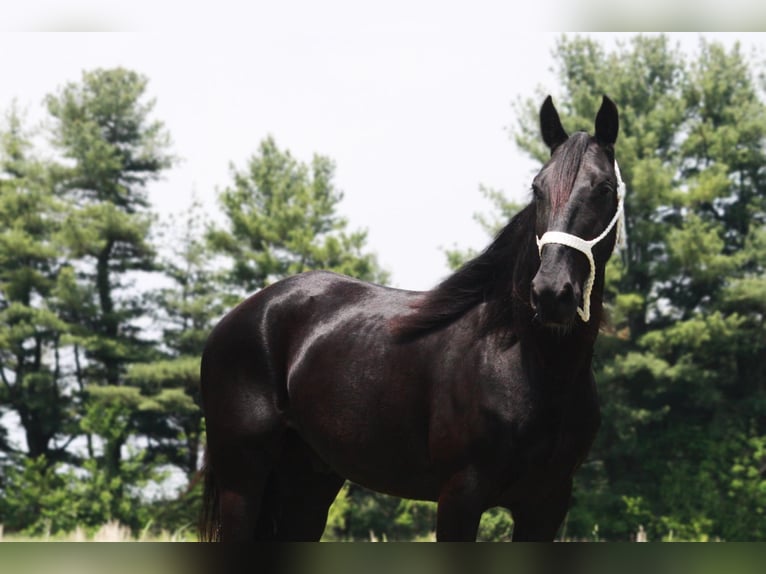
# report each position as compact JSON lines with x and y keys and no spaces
{"x":586,"y":246}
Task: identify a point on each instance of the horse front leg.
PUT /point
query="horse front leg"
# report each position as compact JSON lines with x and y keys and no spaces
{"x":459,"y":508}
{"x":539,"y":520}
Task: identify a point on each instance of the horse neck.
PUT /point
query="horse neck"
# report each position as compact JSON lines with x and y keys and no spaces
{"x":561,"y":354}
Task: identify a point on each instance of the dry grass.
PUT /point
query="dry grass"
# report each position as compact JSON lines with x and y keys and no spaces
{"x":112,"y":531}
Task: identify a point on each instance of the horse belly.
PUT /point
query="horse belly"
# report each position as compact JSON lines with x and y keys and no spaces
{"x":364,"y":414}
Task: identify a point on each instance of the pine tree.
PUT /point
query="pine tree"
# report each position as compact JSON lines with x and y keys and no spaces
{"x":30,"y":330}
{"x":111,"y":149}
{"x":102,"y":127}
{"x":281,"y":219}
{"x":186,"y":311}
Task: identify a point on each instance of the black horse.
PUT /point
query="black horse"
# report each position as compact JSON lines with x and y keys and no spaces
{"x":478,"y":393}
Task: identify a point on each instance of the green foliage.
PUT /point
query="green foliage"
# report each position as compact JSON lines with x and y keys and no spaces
{"x":496,"y":526}
{"x":103,"y":124}
{"x":42,"y":498}
{"x":193,"y":300}
{"x":35,"y":498}
{"x":30,"y":328}
{"x":186,"y":309}
{"x":73,"y":236}
{"x":746,"y":496}
{"x":337,"y":516}
{"x":282,"y":219}
{"x":361,"y":514}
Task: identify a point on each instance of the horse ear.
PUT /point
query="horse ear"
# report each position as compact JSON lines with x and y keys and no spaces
{"x":550,"y":125}
{"x":607,"y":122}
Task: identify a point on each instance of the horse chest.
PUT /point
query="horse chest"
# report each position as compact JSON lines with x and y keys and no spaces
{"x":546,"y":449}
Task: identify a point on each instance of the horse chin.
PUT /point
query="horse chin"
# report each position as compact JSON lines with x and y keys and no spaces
{"x":558,"y":327}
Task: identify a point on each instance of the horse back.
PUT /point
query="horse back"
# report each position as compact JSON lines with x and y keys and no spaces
{"x":255,"y":359}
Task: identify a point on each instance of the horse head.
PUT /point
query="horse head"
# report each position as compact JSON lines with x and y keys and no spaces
{"x":578,"y":196}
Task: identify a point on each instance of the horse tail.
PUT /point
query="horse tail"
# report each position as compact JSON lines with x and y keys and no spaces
{"x":209,"y":527}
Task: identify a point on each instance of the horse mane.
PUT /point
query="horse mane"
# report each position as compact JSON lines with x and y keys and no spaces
{"x":500,"y":277}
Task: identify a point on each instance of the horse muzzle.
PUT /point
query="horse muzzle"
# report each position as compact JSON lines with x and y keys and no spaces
{"x":555,"y":298}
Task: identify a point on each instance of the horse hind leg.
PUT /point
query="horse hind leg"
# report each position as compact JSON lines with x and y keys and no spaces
{"x":305,"y":489}
{"x":240,"y":397}
{"x":243,"y":443}
{"x":240,"y":495}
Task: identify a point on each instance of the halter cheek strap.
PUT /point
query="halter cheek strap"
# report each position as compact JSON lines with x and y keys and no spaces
{"x":586,"y":246}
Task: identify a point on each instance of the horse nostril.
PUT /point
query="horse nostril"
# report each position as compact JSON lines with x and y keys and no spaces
{"x":566,"y":295}
{"x":566,"y":300}
{"x":533,"y":297}
{"x":553,"y":303}
{"x":540,"y":295}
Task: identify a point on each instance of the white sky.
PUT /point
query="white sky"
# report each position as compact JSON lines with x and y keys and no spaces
{"x":413,"y":104}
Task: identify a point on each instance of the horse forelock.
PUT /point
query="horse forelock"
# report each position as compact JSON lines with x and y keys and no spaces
{"x":563,"y":167}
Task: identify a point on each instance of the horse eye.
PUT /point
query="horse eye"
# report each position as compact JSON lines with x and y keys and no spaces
{"x":537,"y":193}
{"x":605,"y":188}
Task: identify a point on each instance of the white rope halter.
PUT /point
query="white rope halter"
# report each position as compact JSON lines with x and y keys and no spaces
{"x":586,"y":247}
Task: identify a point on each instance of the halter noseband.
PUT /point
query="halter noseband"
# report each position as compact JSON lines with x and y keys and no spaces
{"x":586,"y":246}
